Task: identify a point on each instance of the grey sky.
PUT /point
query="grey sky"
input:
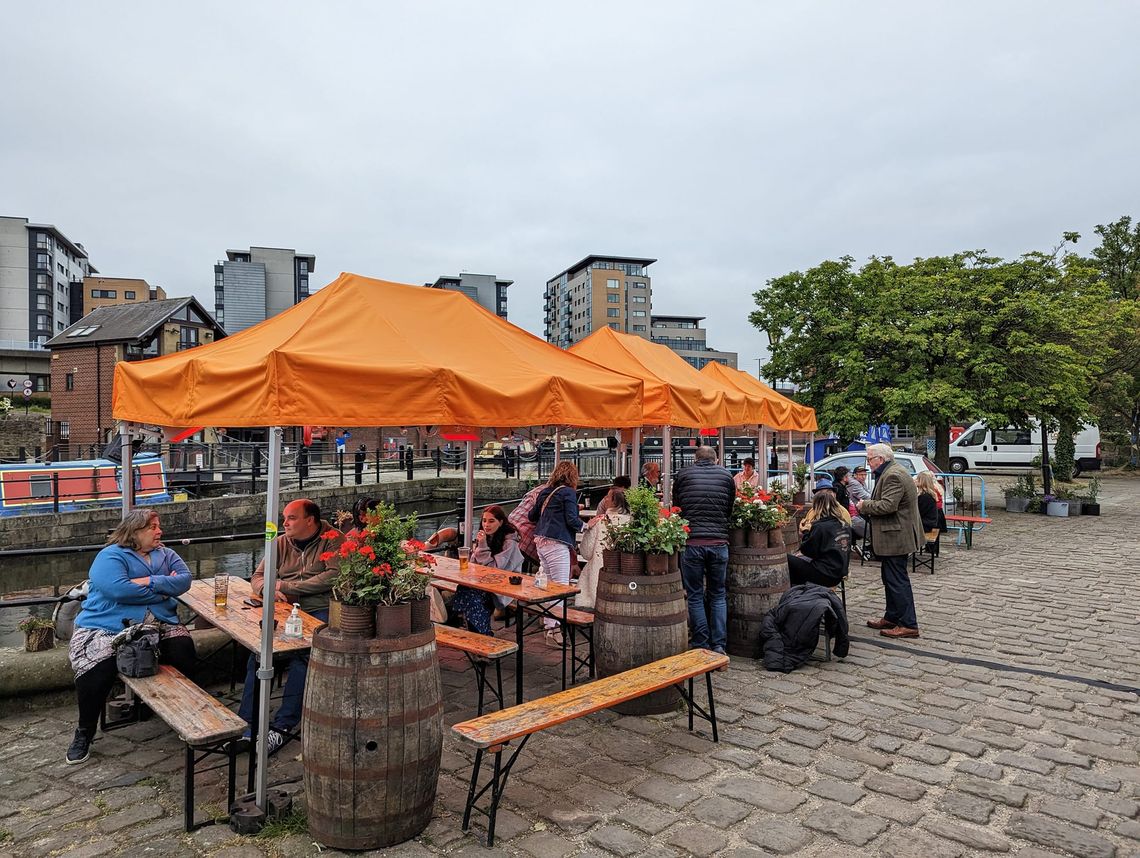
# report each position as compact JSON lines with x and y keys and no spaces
{"x":732,"y":141}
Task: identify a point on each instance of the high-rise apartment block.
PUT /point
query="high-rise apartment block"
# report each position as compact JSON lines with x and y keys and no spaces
{"x":599,"y":291}
{"x":39,"y":269}
{"x":484,"y":289}
{"x":685,"y":336}
{"x":252,"y":285}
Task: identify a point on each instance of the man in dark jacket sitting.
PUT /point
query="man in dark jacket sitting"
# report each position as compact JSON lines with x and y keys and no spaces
{"x":705,"y":492}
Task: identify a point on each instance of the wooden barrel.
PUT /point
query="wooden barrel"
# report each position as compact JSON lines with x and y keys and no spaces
{"x":757,"y":577}
{"x":639,"y":619}
{"x":791,"y":532}
{"x":372,"y":736}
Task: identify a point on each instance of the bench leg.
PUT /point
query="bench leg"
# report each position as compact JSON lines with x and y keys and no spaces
{"x":712,"y":707}
{"x":969,"y":534}
{"x":710,"y":715}
{"x":188,"y":791}
{"x":499,"y":684}
{"x":497,"y":784}
{"x":480,"y":681}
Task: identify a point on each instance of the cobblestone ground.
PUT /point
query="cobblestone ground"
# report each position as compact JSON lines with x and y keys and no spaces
{"x":1012,"y":726}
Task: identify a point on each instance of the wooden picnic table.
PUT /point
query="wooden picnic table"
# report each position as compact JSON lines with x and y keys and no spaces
{"x":488,"y":579}
{"x":967,"y":522}
{"x":242,"y":622}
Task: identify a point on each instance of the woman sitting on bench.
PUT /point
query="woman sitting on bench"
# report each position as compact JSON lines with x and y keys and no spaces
{"x":826,"y":542}
{"x":930,"y":510}
{"x":497,"y":545}
{"x":134,"y":579}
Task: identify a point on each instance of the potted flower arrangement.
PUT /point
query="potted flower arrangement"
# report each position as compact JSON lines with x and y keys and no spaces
{"x":652,"y":538}
{"x":1017,"y":498}
{"x":1055,"y":506}
{"x":1068,"y":493}
{"x":756,"y":518}
{"x":800,"y":475}
{"x":666,"y":540}
{"x":39,"y":633}
{"x":383,"y":577}
{"x":1091,"y":502}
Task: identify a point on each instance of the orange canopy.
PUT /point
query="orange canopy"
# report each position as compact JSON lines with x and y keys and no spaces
{"x":783,"y":413}
{"x":364,"y":352}
{"x":675,"y":393}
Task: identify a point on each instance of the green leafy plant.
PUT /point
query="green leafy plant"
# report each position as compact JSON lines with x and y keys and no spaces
{"x":651,"y":527}
{"x":959,"y":496}
{"x":286,"y":825}
{"x":800,"y":475}
{"x":1093,"y":492}
{"x":31,"y":624}
{"x":1025,"y":487}
{"x":380,"y":563}
{"x":1034,"y":505}
{"x":757,"y":509}
{"x":671,"y":532}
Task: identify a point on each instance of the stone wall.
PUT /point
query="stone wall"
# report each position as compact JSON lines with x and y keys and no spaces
{"x":234,"y":513}
{"x":19,"y":430}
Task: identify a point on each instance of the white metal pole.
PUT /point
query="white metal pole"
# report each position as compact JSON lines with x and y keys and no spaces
{"x":635,"y":457}
{"x":268,"y":598}
{"x":762,"y":455}
{"x":791,"y":476}
{"x":469,"y":495}
{"x":667,"y":465}
{"x":811,"y":467}
{"x":128,"y":478}
{"x":557,"y":447}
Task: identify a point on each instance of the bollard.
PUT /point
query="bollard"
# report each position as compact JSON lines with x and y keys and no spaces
{"x":340,"y":466}
{"x":438,"y":457}
{"x":361,"y":457}
{"x":198,"y":481}
{"x":55,"y":491}
{"x":411,"y":454}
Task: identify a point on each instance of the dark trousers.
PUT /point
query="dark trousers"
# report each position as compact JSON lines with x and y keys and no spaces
{"x":92,"y":688}
{"x":705,"y":567}
{"x":900,"y":597}
{"x":292,"y":697}
{"x":803,"y":571}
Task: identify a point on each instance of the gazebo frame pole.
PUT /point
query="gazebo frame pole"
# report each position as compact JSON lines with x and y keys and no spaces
{"x":762,"y":455}
{"x":469,"y":494}
{"x":125,"y":468}
{"x":557,"y":447}
{"x":667,"y":465}
{"x":268,"y":594}
{"x":811,"y":468}
{"x":635,"y":457}
{"x":791,"y":476}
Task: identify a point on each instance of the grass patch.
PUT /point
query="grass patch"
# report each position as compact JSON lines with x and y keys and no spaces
{"x":5,"y":835}
{"x":293,"y":822}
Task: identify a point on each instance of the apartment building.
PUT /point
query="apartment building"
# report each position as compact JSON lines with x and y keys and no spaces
{"x":685,"y":336}
{"x":596,"y":292}
{"x":253,"y":285}
{"x":486,"y":290}
{"x":101,"y":291}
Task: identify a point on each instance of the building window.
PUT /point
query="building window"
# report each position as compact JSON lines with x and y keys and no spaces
{"x":64,"y":430}
{"x":43,"y":322}
{"x":613,"y":312}
{"x":614,"y":298}
{"x":639,"y":313}
{"x":129,"y":295}
{"x":69,"y":380}
{"x":615,"y":326}
{"x":639,"y":299}
{"x":43,"y":302}
{"x":637,"y":284}
{"x":613,"y":284}
{"x":188,"y":337}
{"x":58,"y":305}
{"x":639,"y":327}
{"x":104,"y":293}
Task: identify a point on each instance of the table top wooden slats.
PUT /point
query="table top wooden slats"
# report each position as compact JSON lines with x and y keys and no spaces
{"x":243,"y":622}
{"x":492,"y":580}
{"x":497,"y":728}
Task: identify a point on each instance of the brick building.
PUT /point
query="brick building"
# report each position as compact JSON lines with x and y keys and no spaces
{"x":83,"y":360}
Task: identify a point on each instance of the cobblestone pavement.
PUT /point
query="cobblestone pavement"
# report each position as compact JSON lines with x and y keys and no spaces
{"x":1012,"y":726}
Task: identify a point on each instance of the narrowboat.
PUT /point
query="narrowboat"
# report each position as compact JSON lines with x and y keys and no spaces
{"x":82,"y":484}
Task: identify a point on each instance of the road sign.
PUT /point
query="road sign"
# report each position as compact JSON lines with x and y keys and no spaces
{"x":27,"y":384}
{"x":12,"y":383}
{"x":27,"y":393}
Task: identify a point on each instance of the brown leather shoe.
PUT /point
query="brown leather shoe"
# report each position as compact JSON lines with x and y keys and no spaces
{"x":883,"y":623}
{"x":899,"y":632}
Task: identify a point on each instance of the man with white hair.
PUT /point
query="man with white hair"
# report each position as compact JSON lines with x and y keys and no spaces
{"x":895,"y":532}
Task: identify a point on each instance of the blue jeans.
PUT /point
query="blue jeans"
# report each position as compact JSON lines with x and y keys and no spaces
{"x":297,"y":671}
{"x":701,"y":565}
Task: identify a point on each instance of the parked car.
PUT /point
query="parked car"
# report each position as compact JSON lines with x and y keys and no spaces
{"x":984,"y":448}
{"x":913,"y":463}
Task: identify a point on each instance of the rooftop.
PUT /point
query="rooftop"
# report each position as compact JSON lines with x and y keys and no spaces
{"x":595,"y":257}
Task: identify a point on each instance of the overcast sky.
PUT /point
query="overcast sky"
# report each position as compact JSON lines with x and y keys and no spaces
{"x":733,"y":142}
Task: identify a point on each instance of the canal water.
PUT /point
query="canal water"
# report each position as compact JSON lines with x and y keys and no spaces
{"x":54,"y":575}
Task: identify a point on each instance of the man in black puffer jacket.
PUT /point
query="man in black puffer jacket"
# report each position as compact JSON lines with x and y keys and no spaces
{"x":789,"y":633}
{"x":705,"y":493}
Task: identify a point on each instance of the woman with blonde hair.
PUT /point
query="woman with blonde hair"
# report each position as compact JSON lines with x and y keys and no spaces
{"x":930,"y":510}
{"x":826,"y":544}
{"x":556,"y":513}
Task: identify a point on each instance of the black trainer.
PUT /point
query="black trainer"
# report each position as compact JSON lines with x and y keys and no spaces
{"x":80,"y":748}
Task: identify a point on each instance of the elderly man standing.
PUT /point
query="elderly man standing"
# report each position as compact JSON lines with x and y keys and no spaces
{"x":302,"y":577}
{"x":705,"y":493}
{"x":896,"y":533}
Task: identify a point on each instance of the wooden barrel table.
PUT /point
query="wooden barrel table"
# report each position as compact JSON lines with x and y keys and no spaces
{"x":791,"y":532}
{"x":372,"y":736}
{"x":639,"y":619}
{"x":757,"y":578}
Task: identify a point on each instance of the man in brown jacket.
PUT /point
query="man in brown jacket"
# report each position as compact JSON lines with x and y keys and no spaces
{"x":302,"y":577}
{"x":895,"y":533}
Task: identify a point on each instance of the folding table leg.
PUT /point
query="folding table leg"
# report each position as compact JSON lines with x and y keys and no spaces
{"x":188,"y":791}
{"x":712,"y":706}
{"x":471,"y":792}
{"x":499,"y":684}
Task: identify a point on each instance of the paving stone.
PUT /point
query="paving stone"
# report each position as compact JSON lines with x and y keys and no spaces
{"x":741,"y":757}
{"x":1125,"y":807}
{"x":912,"y":844}
{"x":973,"y":837}
{"x":890,"y":744}
{"x":803,"y":737}
{"x":848,"y":770}
{"x":760,"y":793}
{"x":843,"y":793}
{"x":570,"y":818}
{"x":620,"y":841}
{"x":646,"y":817}
{"x":784,"y":774}
{"x":906,"y":813}
{"x":1018,"y":761}
{"x":698,"y":840}
{"x":719,"y":811}
{"x":927,"y":774}
{"x":544,"y":844}
{"x":1094,"y":779}
{"x":981,"y":770}
{"x":1069,"y":811}
{"x":609,"y":772}
{"x":1107,"y":752}
{"x":862,"y":755}
{"x":1129,"y":829}
{"x":969,"y":807}
{"x":903,"y":788}
{"x":779,"y":836}
{"x":1014,"y":796}
{"x":685,"y":768}
{"x":1056,"y":835}
{"x":1091,"y":734}
{"x":1054,"y":701}
{"x":1021,"y":719}
{"x":1048,"y":784}
{"x":847,"y":733}
{"x":970,"y":747}
{"x":800,"y":719}
{"x":666,"y":792}
{"x":934,"y":725}
{"x":850,"y":826}
{"x":925,"y":753}
{"x":102,"y":846}
{"x":1065,"y":758}
{"x":995,"y":740}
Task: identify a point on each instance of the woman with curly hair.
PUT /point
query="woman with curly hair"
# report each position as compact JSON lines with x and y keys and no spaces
{"x":556,"y":513}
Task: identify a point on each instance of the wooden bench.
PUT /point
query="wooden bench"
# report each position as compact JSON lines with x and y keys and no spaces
{"x":480,"y":651}
{"x":967,"y":523}
{"x":579,"y":622}
{"x":492,"y":733}
{"x":201,"y":721}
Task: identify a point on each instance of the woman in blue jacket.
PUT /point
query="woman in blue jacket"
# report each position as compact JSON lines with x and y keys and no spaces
{"x":556,"y":512}
{"x":133,"y":577}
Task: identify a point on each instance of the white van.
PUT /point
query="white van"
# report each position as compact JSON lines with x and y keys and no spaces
{"x":982,"y":448}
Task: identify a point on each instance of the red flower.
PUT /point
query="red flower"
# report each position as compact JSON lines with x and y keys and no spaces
{"x":367,"y":551}
{"x":326,"y":556}
{"x":763,"y":495}
{"x":329,"y":534}
{"x":376,"y":570}
{"x":416,"y":545}
{"x":686,"y":528}
{"x":676,"y":509}
{"x":664,"y":513}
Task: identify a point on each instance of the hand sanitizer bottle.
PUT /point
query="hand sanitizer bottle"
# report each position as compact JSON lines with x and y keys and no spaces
{"x":293,"y":627}
{"x":540,"y":579}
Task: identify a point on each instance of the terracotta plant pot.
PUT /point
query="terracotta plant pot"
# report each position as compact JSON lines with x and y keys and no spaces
{"x":632,"y":563}
{"x":394,"y":621}
{"x":657,"y":564}
{"x":611,"y":559}
{"x":737,"y":537}
{"x":798,"y":498}
{"x":675,"y":561}
{"x":356,"y":621}
{"x":757,"y":538}
{"x":38,"y":640}
{"x":421,"y":614}
{"x":775,"y":538}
